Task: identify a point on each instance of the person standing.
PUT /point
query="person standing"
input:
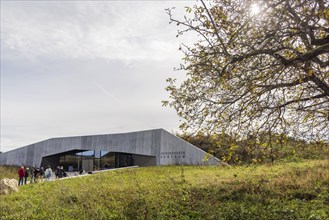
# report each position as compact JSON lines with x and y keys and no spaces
{"x":42,"y":174}
{"x":21,"y":175}
{"x":48,"y":173}
{"x":32,"y":176}
{"x":27,"y":173}
{"x":36,"y":175}
{"x":56,"y":172}
{"x":60,"y":172}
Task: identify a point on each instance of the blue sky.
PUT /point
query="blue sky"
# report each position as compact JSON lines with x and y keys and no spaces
{"x":79,"y":68}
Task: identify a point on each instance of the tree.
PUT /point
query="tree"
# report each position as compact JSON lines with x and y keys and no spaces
{"x":250,"y":150}
{"x":255,"y":71}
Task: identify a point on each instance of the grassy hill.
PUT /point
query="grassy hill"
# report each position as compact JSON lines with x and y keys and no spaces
{"x":8,"y":172}
{"x":283,"y":191}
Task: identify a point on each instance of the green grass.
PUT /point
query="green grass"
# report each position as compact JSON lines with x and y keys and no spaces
{"x":283,"y":191}
{"x":10,"y":172}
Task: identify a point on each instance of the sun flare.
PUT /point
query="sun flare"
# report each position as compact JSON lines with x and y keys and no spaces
{"x":254,"y":9}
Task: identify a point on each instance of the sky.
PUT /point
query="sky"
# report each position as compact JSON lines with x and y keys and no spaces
{"x":71,"y":68}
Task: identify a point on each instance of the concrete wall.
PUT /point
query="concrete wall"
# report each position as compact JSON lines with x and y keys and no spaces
{"x":175,"y":150}
{"x":164,"y":148}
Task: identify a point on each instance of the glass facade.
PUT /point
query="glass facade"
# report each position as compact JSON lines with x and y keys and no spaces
{"x":99,"y":159}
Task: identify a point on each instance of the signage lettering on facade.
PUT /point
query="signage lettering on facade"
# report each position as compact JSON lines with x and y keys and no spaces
{"x":177,"y":154}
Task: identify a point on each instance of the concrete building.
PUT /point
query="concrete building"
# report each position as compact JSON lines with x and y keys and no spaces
{"x":142,"y":148}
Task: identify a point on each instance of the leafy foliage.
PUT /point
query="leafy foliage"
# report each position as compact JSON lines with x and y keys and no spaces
{"x":256,"y":149}
{"x":251,"y":73}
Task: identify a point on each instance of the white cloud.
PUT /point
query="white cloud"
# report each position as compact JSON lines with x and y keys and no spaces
{"x":79,"y":67}
{"x":89,"y":30}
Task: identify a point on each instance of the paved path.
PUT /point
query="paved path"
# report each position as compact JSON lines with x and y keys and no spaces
{"x":76,"y":174}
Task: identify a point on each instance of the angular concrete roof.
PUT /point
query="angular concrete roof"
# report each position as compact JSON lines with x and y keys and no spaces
{"x":164,"y":146}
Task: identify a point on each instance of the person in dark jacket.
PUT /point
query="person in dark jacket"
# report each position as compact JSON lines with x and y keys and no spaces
{"x":60,"y":172}
{"x":42,"y":174}
{"x":21,"y":175}
{"x":57,"y":172}
{"x":36,"y":175}
{"x":27,"y":173}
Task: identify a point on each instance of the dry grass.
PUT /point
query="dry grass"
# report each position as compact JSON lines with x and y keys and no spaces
{"x":9,"y":172}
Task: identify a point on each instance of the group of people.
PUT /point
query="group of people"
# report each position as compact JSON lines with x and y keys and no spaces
{"x":40,"y":174}
{"x":60,"y":173}
{"x":35,"y":174}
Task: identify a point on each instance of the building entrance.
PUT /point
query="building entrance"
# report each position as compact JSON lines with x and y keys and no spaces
{"x":87,"y":164}
{"x":89,"y":160}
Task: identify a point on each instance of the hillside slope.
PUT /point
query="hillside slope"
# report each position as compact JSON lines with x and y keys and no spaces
{"x":284,"y":191}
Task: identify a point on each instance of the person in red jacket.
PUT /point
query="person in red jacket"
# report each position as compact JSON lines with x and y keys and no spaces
{"x":21,"y":175}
